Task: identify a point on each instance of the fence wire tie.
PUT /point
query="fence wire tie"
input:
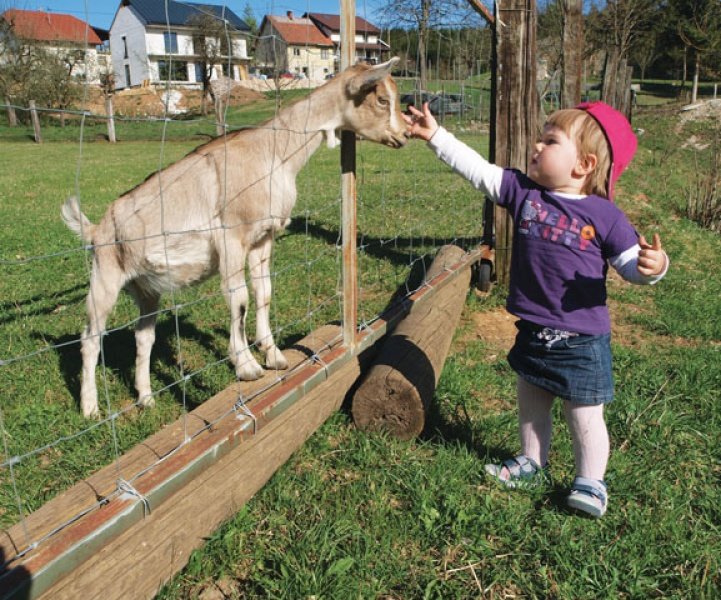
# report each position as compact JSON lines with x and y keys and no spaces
{"x":127,"y":489}
{"x":30,"y":547}
{"x":241,"y":407}
{"x":317,"y":360}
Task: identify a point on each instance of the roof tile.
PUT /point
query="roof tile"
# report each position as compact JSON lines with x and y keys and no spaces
{"x":299,"y":32}
{"x":50,"y":27}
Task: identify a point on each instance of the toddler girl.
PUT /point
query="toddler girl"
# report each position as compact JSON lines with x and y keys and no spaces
{"x":567,"y":231}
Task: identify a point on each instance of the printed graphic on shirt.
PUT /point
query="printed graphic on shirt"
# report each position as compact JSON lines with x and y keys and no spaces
{"x":540,"y":222}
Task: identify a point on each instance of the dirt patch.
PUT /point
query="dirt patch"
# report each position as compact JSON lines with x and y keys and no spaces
{"x":495,"y":328}
{"x":153,"y":102}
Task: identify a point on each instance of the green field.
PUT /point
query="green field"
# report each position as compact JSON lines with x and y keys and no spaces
{"x":353,"y":515}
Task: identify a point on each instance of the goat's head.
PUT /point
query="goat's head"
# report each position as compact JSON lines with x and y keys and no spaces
{"x":373,"y":110}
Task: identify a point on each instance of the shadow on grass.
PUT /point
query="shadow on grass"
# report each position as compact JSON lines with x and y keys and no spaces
{"x":378,"y":247}
{"x":41,"y":304}
{"x":441,"y":430}
{"x":119,"y":357}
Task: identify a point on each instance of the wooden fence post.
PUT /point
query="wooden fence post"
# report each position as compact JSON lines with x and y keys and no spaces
{"x":36,"y":121}
{"x":219,"y":115}
{"x":514,"y":98}
{"x":111,"y":118}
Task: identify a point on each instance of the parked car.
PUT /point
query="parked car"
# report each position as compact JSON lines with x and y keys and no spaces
{"x":439,"y":104}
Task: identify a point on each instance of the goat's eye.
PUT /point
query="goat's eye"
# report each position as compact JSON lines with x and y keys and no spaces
{"x":383,"y":101}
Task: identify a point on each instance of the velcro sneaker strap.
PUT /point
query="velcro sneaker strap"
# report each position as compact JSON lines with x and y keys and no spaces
{"x":594,"y":487}
{"x":521,"y":466}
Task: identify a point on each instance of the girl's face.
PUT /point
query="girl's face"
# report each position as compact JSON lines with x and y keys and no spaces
{"x":555,"y":161}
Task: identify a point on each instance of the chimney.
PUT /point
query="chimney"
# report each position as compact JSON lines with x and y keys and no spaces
{"x":290,"y":14}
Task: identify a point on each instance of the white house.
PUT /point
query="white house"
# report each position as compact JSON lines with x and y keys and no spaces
{"x":152,"y":45}
{"x":293,"y":45}
{"x":68,"y":38}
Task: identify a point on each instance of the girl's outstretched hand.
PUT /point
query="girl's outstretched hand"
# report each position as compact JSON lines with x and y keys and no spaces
{"x":651,"y":258}
{"x":421,"y":124}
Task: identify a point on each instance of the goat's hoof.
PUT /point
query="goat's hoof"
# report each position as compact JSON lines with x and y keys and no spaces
{"x":146,"y":401}
{"x":91,"y":411}
{"x":249,"y":372}
{"x":274,"y":359}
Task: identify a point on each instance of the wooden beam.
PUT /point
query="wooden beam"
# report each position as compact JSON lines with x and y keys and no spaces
{"x":189,"y":477}
{"x":481,"y":9}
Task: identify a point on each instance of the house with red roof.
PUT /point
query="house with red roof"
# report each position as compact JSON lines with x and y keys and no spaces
{"x":159,"y":41}
{"x":293,"y":45}
{"x":369,"y":47}
{"x":72,"y":40}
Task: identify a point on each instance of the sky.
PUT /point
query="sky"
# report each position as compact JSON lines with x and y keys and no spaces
{"x":99,"y":13}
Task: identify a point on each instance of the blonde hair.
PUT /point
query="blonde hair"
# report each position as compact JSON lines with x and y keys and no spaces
{"x":589,"y":138}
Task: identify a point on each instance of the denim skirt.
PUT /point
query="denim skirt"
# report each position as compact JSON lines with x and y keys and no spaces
{"x":576,"y":368}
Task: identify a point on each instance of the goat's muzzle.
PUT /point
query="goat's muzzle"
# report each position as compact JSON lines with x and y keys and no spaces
{"x":397,"y":141}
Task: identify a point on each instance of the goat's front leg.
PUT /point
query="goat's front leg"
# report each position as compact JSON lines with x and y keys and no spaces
{"x":148,"y":303}
{"x":235,"y":290}
{"x":105,"y":285}
{"x":259,"y":263}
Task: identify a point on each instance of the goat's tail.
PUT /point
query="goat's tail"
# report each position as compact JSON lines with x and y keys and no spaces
{"x":76,"y":221}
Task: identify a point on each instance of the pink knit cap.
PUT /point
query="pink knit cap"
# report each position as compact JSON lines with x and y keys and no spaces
{"x":620,"y":138}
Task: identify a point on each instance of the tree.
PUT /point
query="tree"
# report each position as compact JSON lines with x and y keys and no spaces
{"x":423,"y":16}
{"x":617,"y":27}
{"x":572,"y":55}
{"x":645,"y":51}
{"x":212,"y":45}
{"x":16,"y":62}
{"x":249,"y":18}
{"x":699,"y":27}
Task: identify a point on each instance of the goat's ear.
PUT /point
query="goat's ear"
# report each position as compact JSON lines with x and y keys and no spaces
{"x":368,"y":78}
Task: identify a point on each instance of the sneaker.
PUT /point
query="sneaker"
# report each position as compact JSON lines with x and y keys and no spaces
{"x":520,"y":472}
{"x":588,"y":496}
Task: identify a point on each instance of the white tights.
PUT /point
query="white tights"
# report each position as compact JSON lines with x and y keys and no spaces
{"x":586,"y":423}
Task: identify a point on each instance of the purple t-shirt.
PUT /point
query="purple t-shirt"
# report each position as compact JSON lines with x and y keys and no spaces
{"x":560,"y":251}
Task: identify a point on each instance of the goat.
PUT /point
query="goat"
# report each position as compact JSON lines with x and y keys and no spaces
{"x":221,"y":204}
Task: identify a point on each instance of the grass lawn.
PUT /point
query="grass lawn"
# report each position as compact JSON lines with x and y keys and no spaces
{"x":352,"y":515}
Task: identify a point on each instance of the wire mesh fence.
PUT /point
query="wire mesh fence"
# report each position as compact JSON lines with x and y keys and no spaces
{"x":408,"y":206}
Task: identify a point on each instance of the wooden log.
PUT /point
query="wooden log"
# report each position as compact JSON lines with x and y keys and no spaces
{"x":398,"y":389}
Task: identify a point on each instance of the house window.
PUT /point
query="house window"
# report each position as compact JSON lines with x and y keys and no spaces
{"x":324,"y":54}
{"x":171,"y":42}
{"x":296,"y":51}
{"x":226,"y":46}
{"x":127,"y":75}
{"x":199,"y":72}
{"x":199,"y":45}
{"x":125,"y":47}
{"x":228,"y":70}
{"x":176,"y":70}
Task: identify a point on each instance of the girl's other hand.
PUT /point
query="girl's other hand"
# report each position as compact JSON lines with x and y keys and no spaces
{"x":651,"y":257}
{"x":421,"y":124}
